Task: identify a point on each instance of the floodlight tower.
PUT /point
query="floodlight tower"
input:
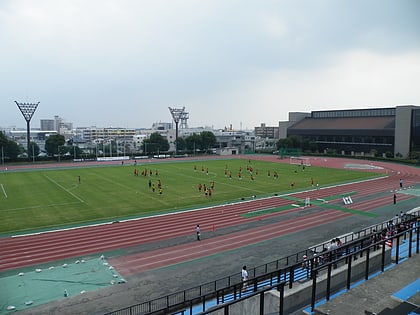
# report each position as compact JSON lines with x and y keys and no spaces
{"x":176,"y":115}
{"x":27,"y":110}
{"x":184,"y":118}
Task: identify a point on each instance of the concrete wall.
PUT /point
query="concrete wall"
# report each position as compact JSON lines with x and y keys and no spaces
{"x":402,"y":130}
{"x":293,"y":118}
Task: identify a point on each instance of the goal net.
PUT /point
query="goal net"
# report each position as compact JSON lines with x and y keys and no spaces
{"x":298,"y":160}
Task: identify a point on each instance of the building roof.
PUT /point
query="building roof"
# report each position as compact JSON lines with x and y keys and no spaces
{"x":365,"y":123}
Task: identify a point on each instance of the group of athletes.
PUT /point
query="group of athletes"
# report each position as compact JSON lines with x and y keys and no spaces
{"x":208,"y":190}
{"x":149,"y":173}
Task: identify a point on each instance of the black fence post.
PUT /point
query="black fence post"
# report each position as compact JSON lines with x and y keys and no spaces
{"x":313,"y":297}
{"x":367,"y":265}
{"x":291,"y":276}
{"x":410,"y":239}
{"x":348,"y":281}
{"x":281,"y":304}
{"x":262,"y":303}
{"x":328,"y":282}
{"x":191,"y":306}
{"x":383,"y":256}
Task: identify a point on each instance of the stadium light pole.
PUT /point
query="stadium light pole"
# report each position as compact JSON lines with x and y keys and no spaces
{"x":177,"y":114}
{"x":27,"y":110}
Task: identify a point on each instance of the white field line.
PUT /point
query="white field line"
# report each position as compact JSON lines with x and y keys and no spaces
{"x":4,"y":191}
{"x":66,"y":190}
{"x":41,"y":206}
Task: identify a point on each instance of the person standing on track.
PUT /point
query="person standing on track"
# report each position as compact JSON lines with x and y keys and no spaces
{"x":198,"y":232}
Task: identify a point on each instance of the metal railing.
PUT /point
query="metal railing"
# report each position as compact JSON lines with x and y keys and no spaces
{"x":411,"y":235}
{"x":288,"y":269}
{"x":347,"y":258}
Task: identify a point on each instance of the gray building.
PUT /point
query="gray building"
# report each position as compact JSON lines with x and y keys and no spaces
{"x":380,"y":131}
{"x":266,"y":132}
{"x":47,"y":124}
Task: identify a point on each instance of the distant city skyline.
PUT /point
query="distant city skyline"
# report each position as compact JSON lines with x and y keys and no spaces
{"x":122,"y":63}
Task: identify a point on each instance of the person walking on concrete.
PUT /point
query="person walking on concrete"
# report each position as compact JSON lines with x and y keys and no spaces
{"x":244,"y":277}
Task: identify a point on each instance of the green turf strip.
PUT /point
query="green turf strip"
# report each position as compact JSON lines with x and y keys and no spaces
{"x":335,"y":207}
{"x":257,"y":213}
{"x":367,"y":214}
{"x":301,"y":203}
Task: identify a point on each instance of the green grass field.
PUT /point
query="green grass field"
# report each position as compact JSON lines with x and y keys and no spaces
{"x":42,"y":199}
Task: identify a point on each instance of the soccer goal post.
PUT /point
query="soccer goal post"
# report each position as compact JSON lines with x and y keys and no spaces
{"x":298,"y":160}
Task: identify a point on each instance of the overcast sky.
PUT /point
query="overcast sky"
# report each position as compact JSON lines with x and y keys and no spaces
{"x":122,"y":63}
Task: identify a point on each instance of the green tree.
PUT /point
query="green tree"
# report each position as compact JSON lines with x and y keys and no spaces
{"x":10,"y":149}
{"x":292,"y":142}
{"x":33,"y":150}
{"x":295,"y":142}
{"x":194,"y":142}
{"x":156,"y":143}
{"x":77,"y":152}
{"x":284,"y":143}
{"x":182,"y":144}
{"x":3,"y":139}
{"x":13,"y":150}
{"x":71,"y":150}
{"x":53,"y":143}
{"x":208,"y":140}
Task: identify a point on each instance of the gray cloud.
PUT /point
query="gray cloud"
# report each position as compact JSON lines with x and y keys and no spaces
{"x":124,"y":62}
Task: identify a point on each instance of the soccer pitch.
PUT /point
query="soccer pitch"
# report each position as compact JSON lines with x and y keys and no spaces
{"x":44,"y":199}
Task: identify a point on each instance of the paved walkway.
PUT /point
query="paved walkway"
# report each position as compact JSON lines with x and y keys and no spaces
{"x":394,"y":292}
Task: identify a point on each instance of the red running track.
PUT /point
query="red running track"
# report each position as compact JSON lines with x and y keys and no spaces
{"x":151,"y":260}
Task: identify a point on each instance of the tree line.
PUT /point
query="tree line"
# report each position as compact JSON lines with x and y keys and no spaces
{"x":56,"y":145}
